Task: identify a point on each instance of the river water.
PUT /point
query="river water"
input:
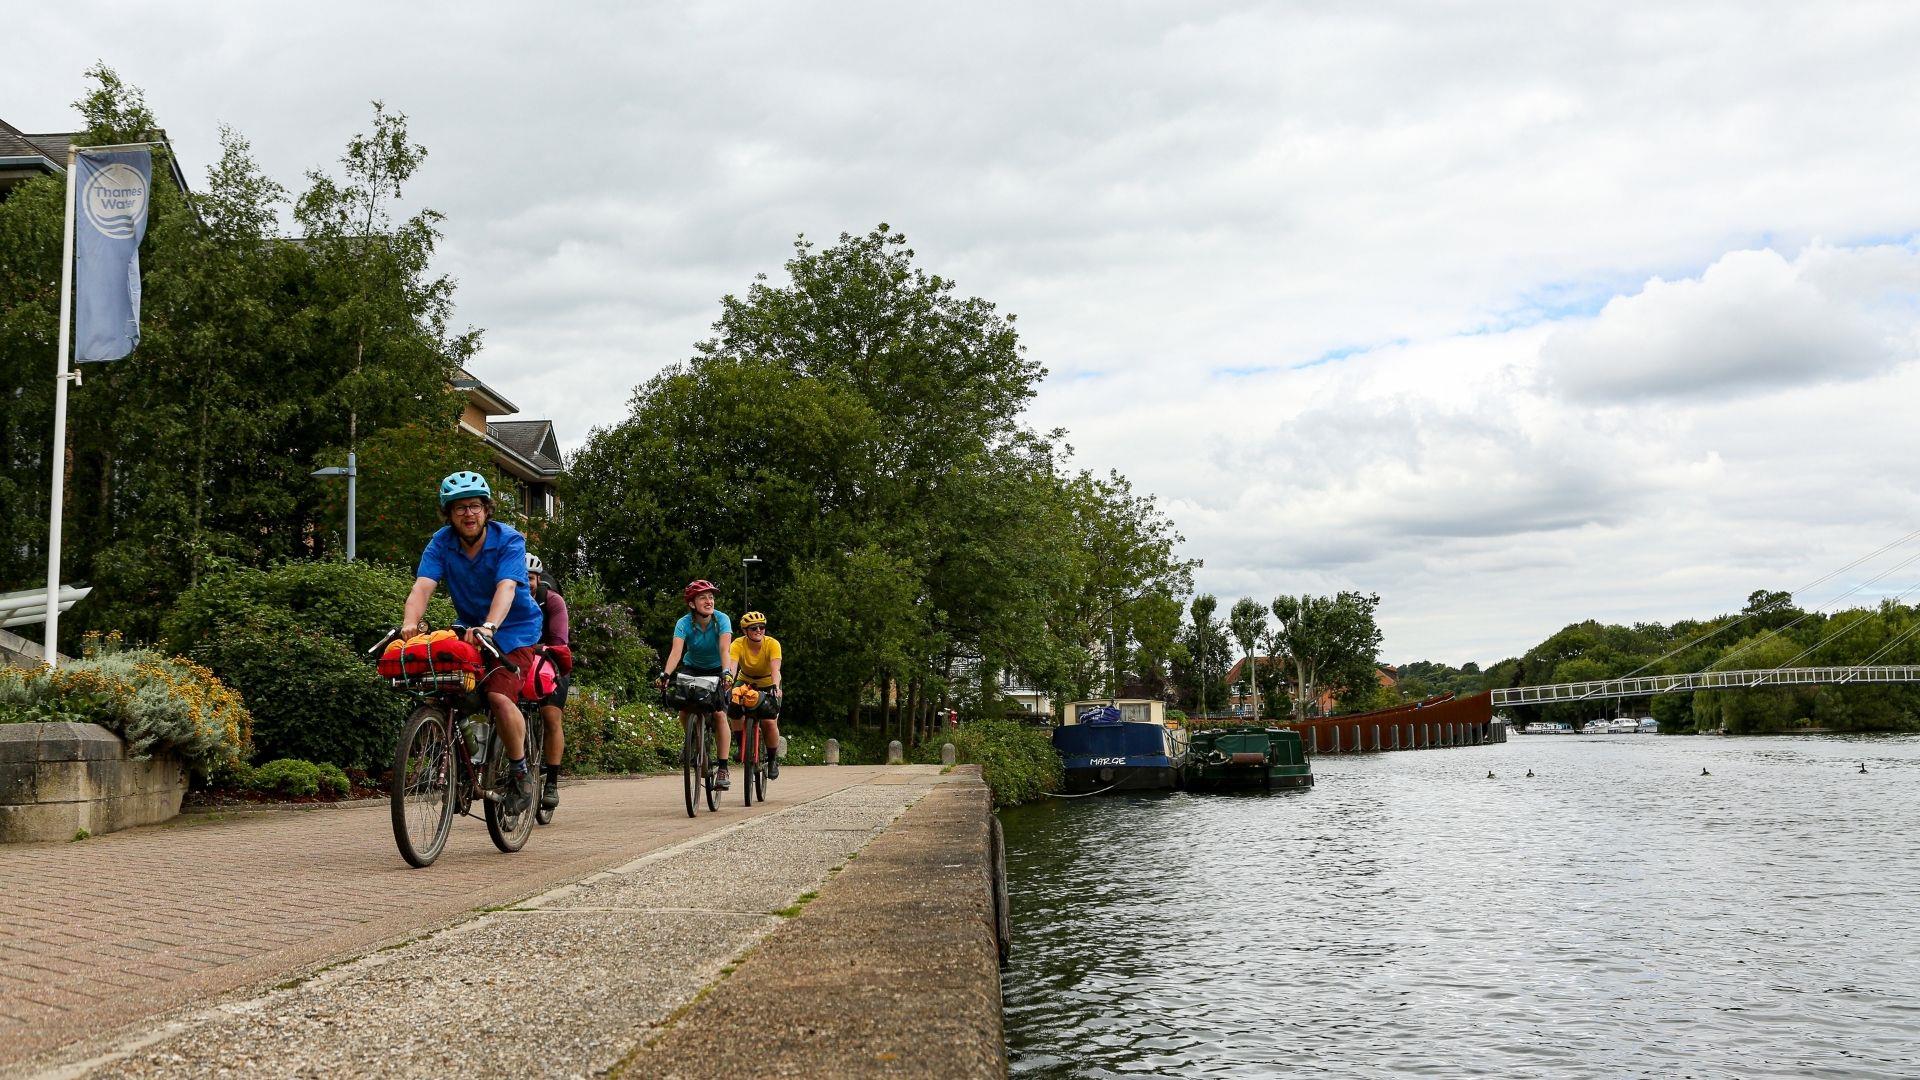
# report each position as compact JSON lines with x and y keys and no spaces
{"x":1617,"y":914}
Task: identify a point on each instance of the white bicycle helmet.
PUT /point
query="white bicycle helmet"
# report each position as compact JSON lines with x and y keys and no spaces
{"x":534,"y":566}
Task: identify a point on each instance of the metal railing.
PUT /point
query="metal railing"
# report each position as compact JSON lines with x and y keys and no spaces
{"x":1649,"y":685}
{"x":30,"y":605}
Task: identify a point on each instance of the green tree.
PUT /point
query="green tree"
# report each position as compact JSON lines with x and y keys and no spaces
{"x":257,"y":356}
{"x":1202,"y":670}
{"x":1247,"y":621}
{"x":857,"y":426}
{"x":1331,"y":641}
{"x":401,"y":467}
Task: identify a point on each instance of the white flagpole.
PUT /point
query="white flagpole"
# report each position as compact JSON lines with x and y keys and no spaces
{"x":51,"y":654}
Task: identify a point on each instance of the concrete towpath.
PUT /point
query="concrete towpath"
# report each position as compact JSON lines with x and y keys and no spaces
{"x":119,"y":943}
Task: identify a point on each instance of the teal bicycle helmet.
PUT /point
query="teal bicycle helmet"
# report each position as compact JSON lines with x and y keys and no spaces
{"x":464,"y":485}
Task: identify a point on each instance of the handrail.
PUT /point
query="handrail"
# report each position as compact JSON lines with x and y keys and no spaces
{"x":1650,"y":685}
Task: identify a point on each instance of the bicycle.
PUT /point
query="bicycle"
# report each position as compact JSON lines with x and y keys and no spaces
{"x":449,"y":753}
{"x":692,"y":696}
{"x":753,"y":756}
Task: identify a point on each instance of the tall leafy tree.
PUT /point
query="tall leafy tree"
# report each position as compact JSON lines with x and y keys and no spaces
{"x":258,"y":354}
{"x":1202,"y":669}
{"x":1247,"y":621}
{"x":857,"y":427}
{"x":1330,"y":641}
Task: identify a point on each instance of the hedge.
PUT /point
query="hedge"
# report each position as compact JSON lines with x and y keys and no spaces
{"x":289,"y":638}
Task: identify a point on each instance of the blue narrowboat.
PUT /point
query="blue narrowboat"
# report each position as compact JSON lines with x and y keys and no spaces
{"x":1122,"y":744}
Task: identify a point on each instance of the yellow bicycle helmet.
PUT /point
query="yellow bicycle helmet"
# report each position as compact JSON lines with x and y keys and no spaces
{"x":752,"y":618}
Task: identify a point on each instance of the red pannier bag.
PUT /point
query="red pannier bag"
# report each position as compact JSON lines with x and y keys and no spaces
{"x":538,"y":680}
{"x":453,"y":654}
{"x":440,"y":652}
{"x":562,"y":658}
{"x":390,"y":660}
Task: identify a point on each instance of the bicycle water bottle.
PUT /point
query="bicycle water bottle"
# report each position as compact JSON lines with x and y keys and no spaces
{"x":477,"y":741}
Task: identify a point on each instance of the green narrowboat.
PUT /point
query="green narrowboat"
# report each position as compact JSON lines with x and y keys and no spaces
{"x":1247,"y":757}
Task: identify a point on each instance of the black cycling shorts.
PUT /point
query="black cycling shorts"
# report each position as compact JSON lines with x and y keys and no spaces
{"x":558,"y":699}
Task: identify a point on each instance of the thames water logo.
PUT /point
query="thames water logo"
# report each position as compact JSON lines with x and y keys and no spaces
{"x":116,"y":200}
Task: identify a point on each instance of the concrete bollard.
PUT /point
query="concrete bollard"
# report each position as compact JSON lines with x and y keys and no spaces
{"x":1336,"y":738}
{"x":780,"y":751}
{"x":1377,"y":747}
{"x":948,"y":755}
{"x":895,"y":755}
{"x":1359,"y":744}
{"x":833,"y":751}
{"x":1313,"y":736}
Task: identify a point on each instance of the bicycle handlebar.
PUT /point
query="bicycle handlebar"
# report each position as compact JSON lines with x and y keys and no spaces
{"x":486,"y":642}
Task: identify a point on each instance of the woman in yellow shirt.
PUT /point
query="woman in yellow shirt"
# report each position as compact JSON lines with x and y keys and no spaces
{"x":756,"y":656}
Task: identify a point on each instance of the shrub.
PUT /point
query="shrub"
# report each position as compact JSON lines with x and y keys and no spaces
{"x":352,"y":602}
{"x":642,"y":738}
{"x":153,"y":701}
{"x":333,"y":780}
{"x":609,"y":653}
{"x":584,"y":723}
{"x":292,"y":776}
{"x":312,"y":696}
{"x":636,"y":737}
{"x":1017,"y":761}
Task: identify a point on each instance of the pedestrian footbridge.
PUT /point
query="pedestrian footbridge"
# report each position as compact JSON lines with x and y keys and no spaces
{"x":1649,"y":685}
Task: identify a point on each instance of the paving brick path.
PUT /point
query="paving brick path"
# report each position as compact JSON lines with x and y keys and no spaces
{"x":107,"y":932}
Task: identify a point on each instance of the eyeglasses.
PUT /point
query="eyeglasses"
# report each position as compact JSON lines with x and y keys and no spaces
{"x":470,"y":508}
{"x":751,"y":629}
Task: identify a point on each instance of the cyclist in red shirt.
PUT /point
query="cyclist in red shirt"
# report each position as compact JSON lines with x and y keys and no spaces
{"x":553,"y":639}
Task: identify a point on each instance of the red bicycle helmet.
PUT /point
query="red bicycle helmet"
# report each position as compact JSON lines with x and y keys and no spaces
{"x":695,"y":588}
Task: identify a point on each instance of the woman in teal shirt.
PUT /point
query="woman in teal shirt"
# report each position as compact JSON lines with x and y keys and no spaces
{"x":701,"y":640}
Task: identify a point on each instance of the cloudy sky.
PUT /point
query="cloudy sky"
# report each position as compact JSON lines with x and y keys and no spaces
{"x":1515,"y":314}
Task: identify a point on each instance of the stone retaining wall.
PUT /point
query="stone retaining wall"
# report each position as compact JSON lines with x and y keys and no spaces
{"x":57,"y":779}
{"x":17,"y":651}
{"x":893,"y":971}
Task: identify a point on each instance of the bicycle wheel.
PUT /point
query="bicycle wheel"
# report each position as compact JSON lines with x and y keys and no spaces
{"x":690,"y":762}
{"x":749,"y":761}
{"x":537,"y":759}
{"x":760,"y":770}
{"x":510,"y":831}
{"x":421,"y":791}
{"x":709,"y":769}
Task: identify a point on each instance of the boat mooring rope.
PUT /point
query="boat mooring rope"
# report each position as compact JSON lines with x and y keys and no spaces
{"x":1082,"y":795}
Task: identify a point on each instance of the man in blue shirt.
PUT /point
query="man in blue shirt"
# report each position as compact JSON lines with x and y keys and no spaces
{"x":484,"y":564}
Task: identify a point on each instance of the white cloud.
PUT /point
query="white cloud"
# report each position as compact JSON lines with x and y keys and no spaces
{"x":1752,"y":321}
{"x":1511,"y":219}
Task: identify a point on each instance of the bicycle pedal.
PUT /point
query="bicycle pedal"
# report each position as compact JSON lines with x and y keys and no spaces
{"x":491,"y":796}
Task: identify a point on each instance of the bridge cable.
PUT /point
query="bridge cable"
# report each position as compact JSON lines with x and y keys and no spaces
{"x":1832,"y":634}
{"x":1805,"y":615}
{"x":1882,"y":650}
{"x":1814,"y":584}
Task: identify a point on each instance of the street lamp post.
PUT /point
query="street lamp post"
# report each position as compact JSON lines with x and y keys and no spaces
{"x":746,"y":595}
{"x":352,"y":473}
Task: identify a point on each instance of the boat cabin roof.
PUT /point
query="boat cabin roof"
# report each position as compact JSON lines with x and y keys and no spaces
{"x":1132,"y":710}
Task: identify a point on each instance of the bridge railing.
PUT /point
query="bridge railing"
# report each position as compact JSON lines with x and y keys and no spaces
{"x":1649,"y":685}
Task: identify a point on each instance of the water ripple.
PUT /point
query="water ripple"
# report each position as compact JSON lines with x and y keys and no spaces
{"x":1617,"y":914}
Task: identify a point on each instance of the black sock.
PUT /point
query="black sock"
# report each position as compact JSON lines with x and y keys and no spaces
{"x":553,"y":772}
